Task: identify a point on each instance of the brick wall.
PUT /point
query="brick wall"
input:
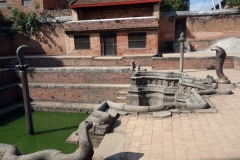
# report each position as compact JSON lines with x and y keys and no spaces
{"x":151,"y":44}
{"x":18,"y":4}
{"x":213,"y":27}
{"x":95,"y":48}
{"x":190,"y":63}
{"x":74,"y":93}
{"x":80,"y":75}
{"x":50,"y":40}
{"x":44,"y":4}
{"x":54,"y":4}
{"x":122,"y":45}
{"x":201,"y":31}
{"x":87,"y":61}
{"x":166,"y":31}
{"x":201,"y":45}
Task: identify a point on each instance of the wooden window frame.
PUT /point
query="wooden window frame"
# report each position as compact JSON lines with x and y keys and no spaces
{"x":137,"y":40}
{"x":3,"y":3}
{"x":27,"y":2}
{"x":82,"y":39}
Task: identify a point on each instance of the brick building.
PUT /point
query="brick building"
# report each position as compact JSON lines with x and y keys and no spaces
{"x":113,"y":27}
{"x":28,"y":5}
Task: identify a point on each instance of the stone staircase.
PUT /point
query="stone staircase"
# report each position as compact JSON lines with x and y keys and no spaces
{"x":11,"y":63}
{"x":121,"y":96}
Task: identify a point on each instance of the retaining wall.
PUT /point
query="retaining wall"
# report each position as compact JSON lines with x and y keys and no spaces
{"x":74,"y":93}
{"x":190,"y":63}
{"x":80,"y":75}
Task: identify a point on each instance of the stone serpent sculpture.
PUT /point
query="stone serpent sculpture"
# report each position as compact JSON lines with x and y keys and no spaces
{"x":84,"y":151}
{"x":220,"y":57}
{"x":20,"y":54}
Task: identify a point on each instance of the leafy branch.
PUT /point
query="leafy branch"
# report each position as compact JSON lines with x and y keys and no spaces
{"x":27,"y":23}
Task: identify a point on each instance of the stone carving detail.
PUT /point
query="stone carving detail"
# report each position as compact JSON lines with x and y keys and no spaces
{"x":168,"y":90}
{"x":84,"y":151}
{"x":220,"y":57}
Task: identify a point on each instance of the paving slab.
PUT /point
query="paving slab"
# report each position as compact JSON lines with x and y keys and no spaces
{"x":111,"y":147}
{"x":207,"y":136}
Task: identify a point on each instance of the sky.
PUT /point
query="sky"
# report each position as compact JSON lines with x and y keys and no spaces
{"x":197,"y":5}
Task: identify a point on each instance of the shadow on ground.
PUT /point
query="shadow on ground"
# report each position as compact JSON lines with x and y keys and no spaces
{"x":125,"y":156}
{"x":55,"y":130}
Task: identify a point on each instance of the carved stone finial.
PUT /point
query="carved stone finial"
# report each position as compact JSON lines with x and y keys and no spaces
{"x":182,"y":37}
{"x":220,"y":57}
{"x":20,"y":54}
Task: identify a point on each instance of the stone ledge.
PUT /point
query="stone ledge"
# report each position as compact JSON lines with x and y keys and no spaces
{"x":65,"y":107}
{"x":80,"y":69}
{"x":76,"y":86}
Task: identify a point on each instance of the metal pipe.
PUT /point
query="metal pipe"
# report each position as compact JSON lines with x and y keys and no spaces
{"x":214,"y":5}
{"x":220,"y":5}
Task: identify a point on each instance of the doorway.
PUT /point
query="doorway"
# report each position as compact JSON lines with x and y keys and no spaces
{"x":108,"y":44}
{"x":180,"y":26}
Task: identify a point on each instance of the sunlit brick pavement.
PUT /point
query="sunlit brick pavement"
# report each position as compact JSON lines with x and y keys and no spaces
{"x":188,"y":136}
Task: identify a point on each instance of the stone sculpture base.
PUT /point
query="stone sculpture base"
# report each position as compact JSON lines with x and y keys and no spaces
{"x":223,"y":80}
{"x":226,"y":86}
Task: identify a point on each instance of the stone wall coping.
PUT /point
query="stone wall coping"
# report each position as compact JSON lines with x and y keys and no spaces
{"x":177,"y":57}
{"x":57,"y":19}
{"x":200,"y":13}
{"x":155,"y":77}
{"x":76,"y":86}
{"x":80,"y":69}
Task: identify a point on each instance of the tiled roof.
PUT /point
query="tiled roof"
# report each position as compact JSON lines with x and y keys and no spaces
{"x":95,"y":3}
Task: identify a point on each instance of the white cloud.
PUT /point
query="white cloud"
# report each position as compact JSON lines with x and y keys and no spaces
{"x":197,"y":6}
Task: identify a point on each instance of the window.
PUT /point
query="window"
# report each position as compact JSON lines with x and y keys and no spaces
{"x":27,"y":2}
{"x":3,"y":3}
{"x":137,"y":40}
{"x":82,"y":42}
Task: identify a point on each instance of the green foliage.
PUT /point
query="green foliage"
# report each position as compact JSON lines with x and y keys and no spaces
{"x":175,"y":5}
{"x":25,"y":23}
{"x":51,"y":131}
{"x":69,"y":1}
{"x":232,"y":3}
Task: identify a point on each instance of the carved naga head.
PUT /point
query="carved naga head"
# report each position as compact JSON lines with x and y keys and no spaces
{"x":20,"y":54}
{"x":219,"y":51}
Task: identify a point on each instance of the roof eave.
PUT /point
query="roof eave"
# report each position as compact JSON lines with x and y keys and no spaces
{"x":113,"y":4}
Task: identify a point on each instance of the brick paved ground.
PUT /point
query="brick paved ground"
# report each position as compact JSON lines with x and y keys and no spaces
{"x":188,"y":136}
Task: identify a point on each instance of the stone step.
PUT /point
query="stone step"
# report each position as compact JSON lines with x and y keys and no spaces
{"x":8,"y":66}
{"x":122,"y":93}
{"x":121,"y":99}
{"x":11,"y":109}
{"x":80,"y":75}
{"x":9,"y":93}
{"x":81,"y":93}
{"x":8,"y":76}
{"x":50,"y":106}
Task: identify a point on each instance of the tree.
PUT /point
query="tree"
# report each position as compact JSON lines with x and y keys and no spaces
{"x":175,"y":5}
{"x":233,"y":3}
